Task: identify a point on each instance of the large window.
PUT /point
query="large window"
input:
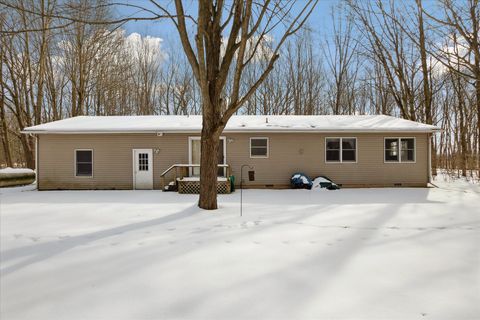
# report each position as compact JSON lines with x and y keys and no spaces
{"x":341,"y":150}
{"x":399,"y":149}
{"x":258,"y":147}
{"x":83,"y":163}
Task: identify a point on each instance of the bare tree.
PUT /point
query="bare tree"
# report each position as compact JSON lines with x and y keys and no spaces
{"x":248,"y":24}
{"x":342,"y":58}
{"x":24,"y":69}
{"x":459,"y":26}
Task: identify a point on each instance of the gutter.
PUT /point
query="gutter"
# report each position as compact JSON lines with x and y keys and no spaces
{"x":228,"y":131}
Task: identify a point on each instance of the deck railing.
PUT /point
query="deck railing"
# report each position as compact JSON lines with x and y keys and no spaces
{"x":182,"y":170}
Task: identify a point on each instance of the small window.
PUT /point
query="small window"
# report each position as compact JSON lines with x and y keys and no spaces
{"x":341,"y":149}
{"x":399,"y":149}
{"x":258,"y":147}
{"x":83,"y":163}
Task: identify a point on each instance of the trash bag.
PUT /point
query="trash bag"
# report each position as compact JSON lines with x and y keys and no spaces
{"x":300,"y":181}
{"x":172,"y":186}
{"x":323,"y":183}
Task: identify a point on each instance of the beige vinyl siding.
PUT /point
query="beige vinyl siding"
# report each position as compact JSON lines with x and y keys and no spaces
{"x":288,"y":153}
{"x":112,"y":159}
{"x":305,"y":152}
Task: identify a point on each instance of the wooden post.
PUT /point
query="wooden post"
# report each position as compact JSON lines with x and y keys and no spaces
{"x":184,"y":172}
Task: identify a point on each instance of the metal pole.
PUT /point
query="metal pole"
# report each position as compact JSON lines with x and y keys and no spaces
{"x":241,"y":187}
{"x":241,"y":191}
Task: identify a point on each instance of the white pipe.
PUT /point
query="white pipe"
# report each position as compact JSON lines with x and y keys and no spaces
{"x":36,"y":160}
{"x":430,"y":158}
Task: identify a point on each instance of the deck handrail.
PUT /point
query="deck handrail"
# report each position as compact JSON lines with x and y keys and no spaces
{"x":179,"y":165}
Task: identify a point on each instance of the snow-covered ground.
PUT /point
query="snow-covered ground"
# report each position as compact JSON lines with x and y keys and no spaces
{"x":295,"y":254}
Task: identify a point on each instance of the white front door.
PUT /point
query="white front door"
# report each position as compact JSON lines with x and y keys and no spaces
{"x":142,"y":169}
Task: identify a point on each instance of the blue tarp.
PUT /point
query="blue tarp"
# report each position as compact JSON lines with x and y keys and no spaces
{"x":300,"y":181}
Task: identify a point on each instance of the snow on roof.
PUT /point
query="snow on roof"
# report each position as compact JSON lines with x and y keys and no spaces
{"x":242,"y":123}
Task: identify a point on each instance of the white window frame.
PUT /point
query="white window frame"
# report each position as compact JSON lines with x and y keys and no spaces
{"x":341,"y":151}
{"x":75,"y":163}
{"x":223,"y":138}
{"x":268,"y":148}
{"x":400,"y":150}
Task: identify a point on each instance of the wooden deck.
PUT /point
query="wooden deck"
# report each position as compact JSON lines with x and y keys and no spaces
{"x":191,"y":185}
{"x":187,"y":184}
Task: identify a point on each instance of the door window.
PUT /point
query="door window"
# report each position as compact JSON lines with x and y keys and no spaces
{"x":143,"y":162}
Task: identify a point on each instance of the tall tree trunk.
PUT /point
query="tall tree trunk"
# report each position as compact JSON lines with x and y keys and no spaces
{"x":463,"y":133}
{"x":475,"y":36}
{"x":5,"y":134}
{"x":208,"y":164}
{"x":27,"y":150}
{"x":427,"y":93}
{"x":38,"y":104}
{"x":477,"y":97}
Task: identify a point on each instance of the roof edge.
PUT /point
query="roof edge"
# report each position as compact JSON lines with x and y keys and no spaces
{"x":422,"y":130}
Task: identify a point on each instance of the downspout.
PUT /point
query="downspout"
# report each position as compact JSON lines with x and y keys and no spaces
{"x":36,"y":160}
{"x":429,"y":174}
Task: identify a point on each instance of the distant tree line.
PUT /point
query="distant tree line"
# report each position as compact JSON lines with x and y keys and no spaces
{"x":379,"y":57}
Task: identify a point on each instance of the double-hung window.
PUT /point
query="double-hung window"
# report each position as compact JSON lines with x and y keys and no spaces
{"x":83,"y":163}
{"x":399,"y":150}
{"x":341,"y":150}
{"x":258,"y":147}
